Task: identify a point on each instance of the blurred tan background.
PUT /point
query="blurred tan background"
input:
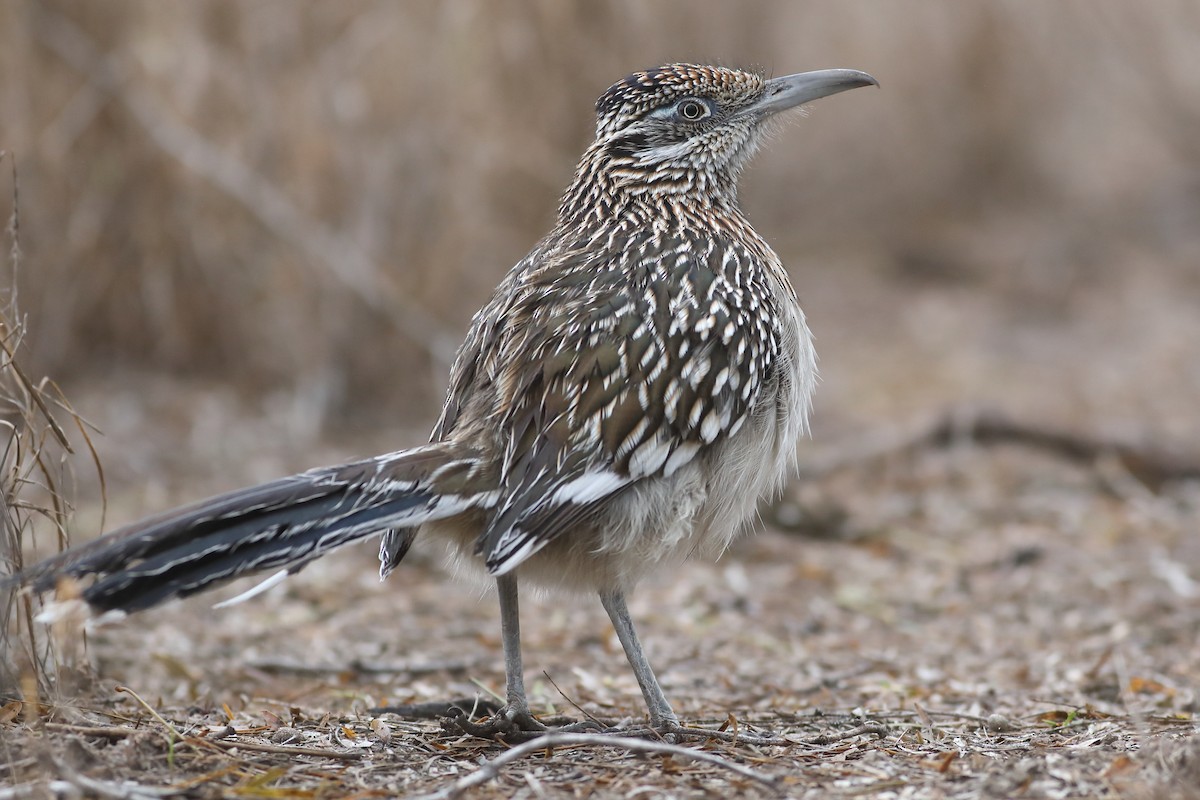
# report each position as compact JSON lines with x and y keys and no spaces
{"x":252,"y":233}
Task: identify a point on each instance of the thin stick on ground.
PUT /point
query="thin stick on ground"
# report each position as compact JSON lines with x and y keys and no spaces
{"x":878,"y":729}
{"x":149,"y":708}
{"x":570,"y":700}
{"x":1153,"y":464}
{"x":276,"y":749}
{"x":492,"y":769}
{"x":280,"y":666}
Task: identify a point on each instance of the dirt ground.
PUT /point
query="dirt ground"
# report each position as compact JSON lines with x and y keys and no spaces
{"x":960,"y":621}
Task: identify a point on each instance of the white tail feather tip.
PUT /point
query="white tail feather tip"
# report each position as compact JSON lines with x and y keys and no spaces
{"x":255,"y":590}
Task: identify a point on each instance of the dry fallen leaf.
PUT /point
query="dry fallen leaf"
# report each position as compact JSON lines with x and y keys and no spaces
{"x":10,"y":711}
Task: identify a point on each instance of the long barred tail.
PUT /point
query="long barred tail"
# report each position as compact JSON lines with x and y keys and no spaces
{"x":280,"y":525}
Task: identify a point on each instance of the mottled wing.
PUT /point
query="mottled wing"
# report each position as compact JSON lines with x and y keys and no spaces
{"x":470,"y":383}
{"x":467,"y":386}
{"x":618,"y":367}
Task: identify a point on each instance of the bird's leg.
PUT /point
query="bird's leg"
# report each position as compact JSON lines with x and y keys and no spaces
{"x":514,"y":721}
{"x":516,"y":710}
{"x":662,"y":718}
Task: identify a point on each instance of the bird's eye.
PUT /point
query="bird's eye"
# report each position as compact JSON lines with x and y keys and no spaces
{"x":692,"y":110}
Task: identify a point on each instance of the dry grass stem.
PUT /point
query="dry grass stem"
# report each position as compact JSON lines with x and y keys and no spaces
{"x":36,"y":484}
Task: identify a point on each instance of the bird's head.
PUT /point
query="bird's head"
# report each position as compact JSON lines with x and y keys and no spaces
{"x":686,"y":127}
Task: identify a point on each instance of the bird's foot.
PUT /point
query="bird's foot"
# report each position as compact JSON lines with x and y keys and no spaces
{"x":513,"y":725}
{"x":666,"y":727}
{"x":510,"y":724}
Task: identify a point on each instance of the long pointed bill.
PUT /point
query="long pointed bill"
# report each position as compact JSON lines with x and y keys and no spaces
{"x":791,"y":91}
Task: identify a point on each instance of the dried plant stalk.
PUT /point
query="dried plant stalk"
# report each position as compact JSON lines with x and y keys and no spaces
{"x":36,"y":483}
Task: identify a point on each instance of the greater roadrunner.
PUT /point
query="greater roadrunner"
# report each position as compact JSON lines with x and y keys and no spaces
{"x":633,"y":387}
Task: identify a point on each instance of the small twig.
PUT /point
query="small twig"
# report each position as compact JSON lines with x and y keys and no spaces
{"x":173,"y":736}
{"x":35,"y":394}
{"x":171,"y":728}
{"x":486,"y":690}
{"x":574,"y":705}
{"x":1151,"y":464}
{"x":491,"y":769}
{"x":876,"y":728}
{"x":276,"y":666}
{"x":99,"y":731}
{"x":284,"y":750}
{"x":737,"y":736}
